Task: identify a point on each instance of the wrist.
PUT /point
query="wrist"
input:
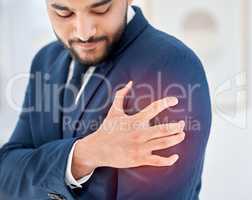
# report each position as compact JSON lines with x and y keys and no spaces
{"x":82,"y":162}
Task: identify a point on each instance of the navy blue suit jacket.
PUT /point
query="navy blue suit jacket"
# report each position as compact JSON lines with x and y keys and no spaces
{"x":33,"y":162}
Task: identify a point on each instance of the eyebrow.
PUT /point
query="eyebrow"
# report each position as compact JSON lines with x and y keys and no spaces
{"x":64,"y":8}
{"x":100,"y":3}
{"x":59,"y":7}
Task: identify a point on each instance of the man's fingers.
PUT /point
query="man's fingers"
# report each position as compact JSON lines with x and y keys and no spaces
{"x":158,"y":161}
{"x":156,"y":107}
{"x":165,"y":142}
{"x":163,"y":130}
{"x":120,"y":95}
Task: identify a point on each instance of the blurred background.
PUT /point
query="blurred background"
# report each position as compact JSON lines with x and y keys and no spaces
{"x":219,"y":31}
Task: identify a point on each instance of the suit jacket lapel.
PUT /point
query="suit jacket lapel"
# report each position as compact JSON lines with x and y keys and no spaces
{"x":89,"y":92}
{"x":58,"y":73}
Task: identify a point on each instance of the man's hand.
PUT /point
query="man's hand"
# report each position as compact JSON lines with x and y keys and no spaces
{"x":125,"y":141}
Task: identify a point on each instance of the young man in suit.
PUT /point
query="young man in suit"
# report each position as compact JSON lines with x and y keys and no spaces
{"x":83,"y":134}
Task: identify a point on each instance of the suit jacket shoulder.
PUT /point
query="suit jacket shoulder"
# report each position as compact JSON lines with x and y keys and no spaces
{"x":166,"y":44}
{"x":159,"y":51}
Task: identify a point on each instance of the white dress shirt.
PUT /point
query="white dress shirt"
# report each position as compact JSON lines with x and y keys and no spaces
{"x":69,"y":179}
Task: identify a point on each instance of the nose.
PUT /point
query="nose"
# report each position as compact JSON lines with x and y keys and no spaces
{"x":85,"y":28}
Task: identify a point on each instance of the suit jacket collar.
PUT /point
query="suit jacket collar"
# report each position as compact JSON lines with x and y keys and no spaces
{"x":52,"y":120}
{"x":135,"y":27}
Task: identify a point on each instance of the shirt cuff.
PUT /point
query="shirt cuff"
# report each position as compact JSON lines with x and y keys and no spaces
{"x":69,"y":179}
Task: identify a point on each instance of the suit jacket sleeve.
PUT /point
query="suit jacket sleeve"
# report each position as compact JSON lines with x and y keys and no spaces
{"x":183,"y":76}
{"x":28,"y":171}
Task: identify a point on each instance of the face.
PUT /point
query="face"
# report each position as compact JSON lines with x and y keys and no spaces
{"x":88,"y":28}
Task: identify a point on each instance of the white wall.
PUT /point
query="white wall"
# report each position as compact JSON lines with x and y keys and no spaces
{"x":24,"y":29}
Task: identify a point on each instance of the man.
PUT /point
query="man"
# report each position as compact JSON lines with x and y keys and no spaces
{"x":114,"y":110}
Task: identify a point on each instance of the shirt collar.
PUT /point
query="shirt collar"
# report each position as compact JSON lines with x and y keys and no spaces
{"x":131,"y":14}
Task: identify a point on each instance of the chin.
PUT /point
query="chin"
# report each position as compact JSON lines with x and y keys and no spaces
{"x":92,"y":58}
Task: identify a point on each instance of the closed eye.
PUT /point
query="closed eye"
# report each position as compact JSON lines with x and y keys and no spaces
{"x":61,"y":11}
{"x":102,"y":9}
{"x":64,"y":14}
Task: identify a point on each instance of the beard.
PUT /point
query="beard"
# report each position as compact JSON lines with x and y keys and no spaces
{"x":107,"y":51}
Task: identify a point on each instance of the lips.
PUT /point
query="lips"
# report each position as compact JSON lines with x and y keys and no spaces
{"x":87,"y":45}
